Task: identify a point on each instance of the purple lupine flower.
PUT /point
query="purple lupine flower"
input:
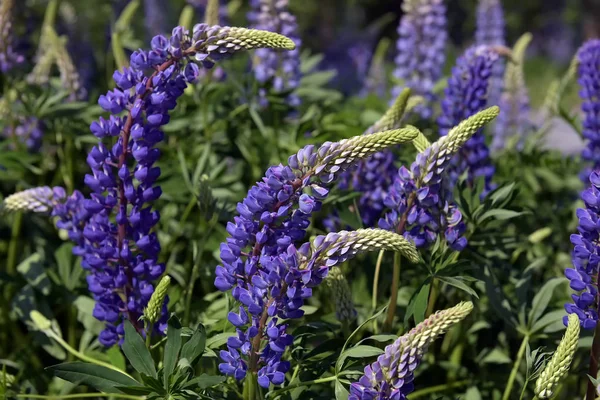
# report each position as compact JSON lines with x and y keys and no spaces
{"x":9,"y":58}
{"x":27,"y":131}
{"x":586,"y":257}
{"x":420,"y":200}
{"x":514,"y":118}
{"x":269,"y":276}
{"x":391,"y":376}
{"x":421,"y":49}
{"x":156,"y":17}
{"x":55,"y":202}
{"x":465,"y":95}
{"x":123,"y":249}
{"x":491,"y":31}
{"x":281,"y":70}
{"x":589,"y":79}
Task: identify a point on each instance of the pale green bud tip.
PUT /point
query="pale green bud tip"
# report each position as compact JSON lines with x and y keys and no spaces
{"x":560,"y":362}
{"x":255,"y":38}
{"x":38,"y":199}
{"x":40,"y":321}
{"x":464,"y":130}
{"x":155,"y":304}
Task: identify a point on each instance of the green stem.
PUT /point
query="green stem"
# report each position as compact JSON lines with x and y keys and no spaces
{"x":251,"y":386}
{"x":76,"y":396}
{"x":11,"y":259}
{"x":391,"y":312}
{"x":376,"y":287}
{"x":71,"y":329}
{"x":118,"y":51}
{"x":80,"y":355}
{"x":186,"y":17}
{"x":300,"y":384}
{"x":148,"y":335}
{"x":438,"y":388}
{"x":433,"y":295}
{"x":50,"y":14}
{"x":513,"y":373}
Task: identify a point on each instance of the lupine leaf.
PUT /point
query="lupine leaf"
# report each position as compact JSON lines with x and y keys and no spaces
{"x":136,"y":352}
{"x":171,"y":349}
{"x":542,"y":298}
{"x":194,"y":347}
{"x":102,"y":378}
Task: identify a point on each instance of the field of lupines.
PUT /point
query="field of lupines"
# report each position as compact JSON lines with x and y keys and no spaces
{"x":210,"y":199}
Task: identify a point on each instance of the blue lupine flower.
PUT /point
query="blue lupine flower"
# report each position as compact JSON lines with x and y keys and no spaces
{"x":391,"y":376}
{"x":586,"y":256}
{"x":465,"y":95}
{"x":9,"y":58}
{"x":491,"y":31}
{"x":269,"y":275}
{"x":281,"y":70}
{"x":28,"y":131}
{"x":123,"y":249}
{"x":420,"y":200}
{"x":421,"y":49}
{"x":589,"y":79}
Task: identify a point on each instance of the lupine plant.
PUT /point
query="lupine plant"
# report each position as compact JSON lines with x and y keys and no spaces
{"x":206,"y":217}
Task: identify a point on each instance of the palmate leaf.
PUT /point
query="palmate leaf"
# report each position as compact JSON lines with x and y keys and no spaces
{"x":102,"y":378}
{"x":195,"y":346}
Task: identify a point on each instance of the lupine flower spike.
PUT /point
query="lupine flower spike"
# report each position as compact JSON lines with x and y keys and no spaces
{"x":122,"y":250}
{"x":373,"y":176}
{"x":68,"y":73}
{"x":559,"y":364}
{"x":269,"y":275}
{"x":491,"y":31}
{"x":391,"y":376}
{"x":514,"y":118}
{"x":158,"y":301}
{"x":465,"y":95}
{"x":586,"y":257}
{"x":8,"y":56}
{"x":588,"y":58}
{"x":342,"y":295}
{"x":421,"y":204}
{"x":421,"y":49}
{"x":281,"y":70}
{"x":376,"y":80}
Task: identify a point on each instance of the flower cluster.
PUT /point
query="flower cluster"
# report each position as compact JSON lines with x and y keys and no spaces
{"x":339,"y":289}
{"x":391,"y":376}
{"x":586,"y":257}
{"x":421,"y":49}
{"x":281,"y":70}
{"x":589,"y":80}
{"x":373,"y":176}
{"x":123,"y":249}
{"x":26,"y":130}
{"x":421,"y":203}
{"x":9,"y":58}
{"x":465,"y":95}
{"x":69,"y":210}
{"x":514,"y":119}
{"x":491,"y":31}
{"x":269,"y":276}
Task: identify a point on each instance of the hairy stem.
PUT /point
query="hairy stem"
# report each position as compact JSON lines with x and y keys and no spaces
{"x":391,"y":312}
{"x":515,"y":369}
{"x":593,"y":368}
{"x":376,"y":286}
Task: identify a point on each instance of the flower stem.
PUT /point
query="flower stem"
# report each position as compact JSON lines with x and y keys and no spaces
{"x":593,"y":368}
{"x":301,"y":384}
{"x":438,"y":388}
{"x":391,"y":312}
{"x":75,"y":396}
{"x":513,"y":373}
{"x":11,"y":258}
{"x":251,"y":386}
{"x":376,"y":287}
{"x":433,"y":295}
{"x":80,"y":355}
